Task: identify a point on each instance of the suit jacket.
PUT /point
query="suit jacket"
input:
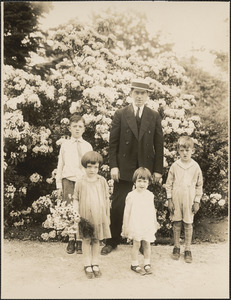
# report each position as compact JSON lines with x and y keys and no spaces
{"x":127,"y":149}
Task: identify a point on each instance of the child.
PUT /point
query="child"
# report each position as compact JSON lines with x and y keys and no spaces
{"x":91,"y":200}
{"x":184,"y":191}
{"x":70,"y":168}
{"x":139,"y":220}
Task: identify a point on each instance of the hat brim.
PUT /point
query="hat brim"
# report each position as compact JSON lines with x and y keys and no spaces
{"x":140,"y":88}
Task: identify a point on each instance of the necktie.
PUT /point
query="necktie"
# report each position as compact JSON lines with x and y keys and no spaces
{"x":79,"y":152}
{"x":138,"y":119}
{"x":138,"y":114}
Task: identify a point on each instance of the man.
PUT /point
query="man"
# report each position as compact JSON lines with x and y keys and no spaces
{"x":136,"y":140}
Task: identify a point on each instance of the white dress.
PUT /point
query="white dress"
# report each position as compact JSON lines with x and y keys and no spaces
{"x":139,"y":221}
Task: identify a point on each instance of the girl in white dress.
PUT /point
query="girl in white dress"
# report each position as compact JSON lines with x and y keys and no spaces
{"x":91,"y":200}
{"x":139,"y":221}
{"x":184,"y":191}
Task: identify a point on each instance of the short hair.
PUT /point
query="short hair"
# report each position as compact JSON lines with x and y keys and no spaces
{"x":91,"y":157}
{"x":143,"y":173}
{"x":76,"y":118}
{"x":185,"y":142}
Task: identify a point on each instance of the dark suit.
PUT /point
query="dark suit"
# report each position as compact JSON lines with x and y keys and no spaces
{"x":129,"y":150}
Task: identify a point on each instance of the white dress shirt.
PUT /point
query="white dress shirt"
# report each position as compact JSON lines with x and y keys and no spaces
{"x":68,"y":162}
{"x":136,"y":108}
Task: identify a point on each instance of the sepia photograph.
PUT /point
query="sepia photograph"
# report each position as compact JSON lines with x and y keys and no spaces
{"x":115,"y":150}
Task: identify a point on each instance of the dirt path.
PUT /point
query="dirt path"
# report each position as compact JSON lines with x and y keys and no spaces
{"x":35,"y":270}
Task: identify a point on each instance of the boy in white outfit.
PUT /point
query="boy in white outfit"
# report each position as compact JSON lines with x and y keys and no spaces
{"x":69,"y":169}
{"x":184,"y":191}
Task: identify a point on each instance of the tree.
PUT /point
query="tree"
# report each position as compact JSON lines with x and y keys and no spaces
{"x":21,"y":21}
{"x":130,"y":32}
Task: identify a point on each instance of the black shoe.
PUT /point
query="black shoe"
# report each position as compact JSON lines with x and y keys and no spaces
{"x":79,"y":247}
{"x":71,"y":247}
{"x":188,"y":256}
{"x":176,"y":253}
{"x":137,"y":269}
{"x":148,"y":269}
{"x":107,"y":249}
{"x":96,"y":271}
{"x":89,"y":272}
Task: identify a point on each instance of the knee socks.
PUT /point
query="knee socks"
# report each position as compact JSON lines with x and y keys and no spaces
{"x":71,"y":236}
{"x":188,"y":230}
{"x":188,"y":236}
{"x":176,"y":233}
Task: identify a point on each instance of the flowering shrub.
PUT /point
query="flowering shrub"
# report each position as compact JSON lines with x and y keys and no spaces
{"x":36,"y":213}
{"x":90,"y":75}
{"x":212,"y":206}
{"x":59,"y":219}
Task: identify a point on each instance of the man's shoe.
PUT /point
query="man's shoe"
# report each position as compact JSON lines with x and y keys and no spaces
{"x":71,"y":247}
{"x":107,"y":249}
{"x":188,"y":256}
{"x":176,"y":253}
{"x":79,"y":247}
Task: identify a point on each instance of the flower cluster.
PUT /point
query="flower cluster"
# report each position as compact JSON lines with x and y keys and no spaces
{"x":63,"y":218}
{"x":35,"y":178}
{"x":9,"y":191}
{"x":19,"y":218}
{"x":52,"y":178}
{"x":17,"y":132}
{"x":48,"y":235}
{"x":216,"y":198}
{"x":41,"y":143}
{"x":26,"y":86}
{"x":65,"y":121}
{"x":42,"y":204}
{"x":213,"y":205}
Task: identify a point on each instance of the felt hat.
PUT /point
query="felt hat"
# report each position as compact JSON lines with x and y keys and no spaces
{"x":140,"y":84}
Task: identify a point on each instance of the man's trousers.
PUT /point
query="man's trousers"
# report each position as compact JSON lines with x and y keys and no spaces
{"x":121,"y":189}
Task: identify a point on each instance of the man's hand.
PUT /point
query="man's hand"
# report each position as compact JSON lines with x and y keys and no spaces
{"x":157,"y":178}
{"x":171,"y":206}
{"x":115,"y":174}
{"x":195,"y":207}
{"x":60,"y":192}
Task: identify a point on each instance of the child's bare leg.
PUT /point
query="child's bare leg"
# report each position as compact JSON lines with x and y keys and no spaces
{"x":95,"y":252}
{"x":147,"y":252}
{"x":95,"y":257}
{"x":147,"y":256}
{"x":135,"y":252}
{"x":87,"y":255}
{"x":188,"y":230}
{"x":135,"y":263}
